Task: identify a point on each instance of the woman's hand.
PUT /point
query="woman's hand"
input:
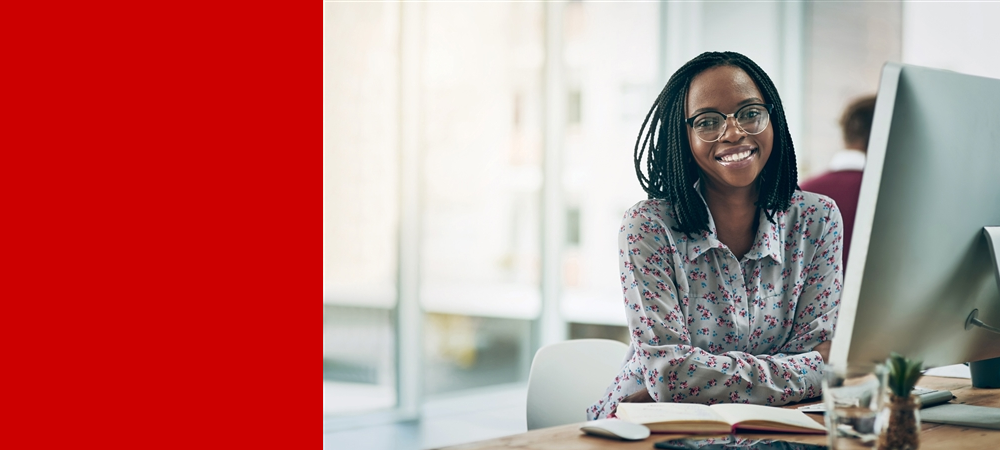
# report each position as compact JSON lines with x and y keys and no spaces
{"x":824,"y":350}
{"x":639,"y":397}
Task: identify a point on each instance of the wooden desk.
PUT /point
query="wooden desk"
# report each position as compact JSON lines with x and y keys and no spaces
{"x":932,"y":435}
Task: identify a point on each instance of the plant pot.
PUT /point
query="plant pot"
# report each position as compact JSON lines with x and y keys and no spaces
{"x":902,"y":427}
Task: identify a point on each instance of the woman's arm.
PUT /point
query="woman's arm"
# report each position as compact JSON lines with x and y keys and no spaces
{"x":818,"y":303}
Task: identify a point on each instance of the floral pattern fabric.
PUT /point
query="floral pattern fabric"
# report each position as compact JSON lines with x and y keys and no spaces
{"x":707,"y":327}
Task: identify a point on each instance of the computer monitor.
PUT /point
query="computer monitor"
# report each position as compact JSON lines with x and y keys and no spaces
{"x":920,"y":262}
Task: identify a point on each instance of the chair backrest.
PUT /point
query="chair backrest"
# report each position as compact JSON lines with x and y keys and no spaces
{"x":569,"y":376}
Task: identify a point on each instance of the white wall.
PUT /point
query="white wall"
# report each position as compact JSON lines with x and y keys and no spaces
{"x":950,"y":35}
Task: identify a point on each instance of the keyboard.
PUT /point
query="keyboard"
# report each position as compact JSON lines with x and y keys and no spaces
{"x":928,"y":397}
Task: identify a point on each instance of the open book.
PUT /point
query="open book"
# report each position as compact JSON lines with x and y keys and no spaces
{"x":722,"y":418}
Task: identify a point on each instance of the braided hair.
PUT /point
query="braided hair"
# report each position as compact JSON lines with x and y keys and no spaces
{"x":670,"y":166}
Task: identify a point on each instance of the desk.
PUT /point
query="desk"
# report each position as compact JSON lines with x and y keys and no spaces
{"x":932,"y":435}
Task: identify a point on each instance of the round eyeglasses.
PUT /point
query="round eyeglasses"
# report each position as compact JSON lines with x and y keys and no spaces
{"x":711,"y":125}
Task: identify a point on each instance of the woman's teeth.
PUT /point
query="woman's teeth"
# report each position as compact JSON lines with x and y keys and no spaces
{"x":736,"y":156}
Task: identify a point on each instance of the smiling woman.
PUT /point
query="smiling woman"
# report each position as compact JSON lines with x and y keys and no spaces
{"x":731,"y":276}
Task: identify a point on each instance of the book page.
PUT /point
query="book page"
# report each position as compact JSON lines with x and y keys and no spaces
{"x":738,"y":413}
{"x":667,"y":412}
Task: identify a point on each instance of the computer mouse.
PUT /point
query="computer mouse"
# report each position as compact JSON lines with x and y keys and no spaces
{"x":616,"y":429}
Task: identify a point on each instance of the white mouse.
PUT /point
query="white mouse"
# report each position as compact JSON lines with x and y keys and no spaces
{"x":616,"y":429}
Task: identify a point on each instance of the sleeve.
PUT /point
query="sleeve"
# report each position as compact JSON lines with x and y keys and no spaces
{"x":817,"y":295}
{"x":664,"y":362}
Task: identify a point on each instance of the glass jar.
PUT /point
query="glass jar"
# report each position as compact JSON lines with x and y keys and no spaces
{"x":901,"y":425}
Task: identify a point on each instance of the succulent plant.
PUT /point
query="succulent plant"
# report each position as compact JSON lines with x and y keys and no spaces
{"x":903,"y":374}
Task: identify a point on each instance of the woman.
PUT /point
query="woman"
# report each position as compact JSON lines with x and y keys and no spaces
{"x":731,"y":276}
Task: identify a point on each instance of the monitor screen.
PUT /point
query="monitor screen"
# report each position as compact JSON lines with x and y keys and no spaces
{"x":919,"y":260}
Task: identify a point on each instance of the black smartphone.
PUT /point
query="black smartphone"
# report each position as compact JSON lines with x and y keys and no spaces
{"x":734,"y":443}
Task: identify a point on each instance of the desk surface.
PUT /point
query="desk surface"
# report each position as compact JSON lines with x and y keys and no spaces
{"x":932,"y":435}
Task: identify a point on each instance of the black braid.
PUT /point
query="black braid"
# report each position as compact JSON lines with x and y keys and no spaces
{"x":671,"y":169}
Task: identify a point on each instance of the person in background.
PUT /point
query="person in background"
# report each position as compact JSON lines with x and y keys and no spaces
{"x":731,"y":277}
{"x":842,"y":182}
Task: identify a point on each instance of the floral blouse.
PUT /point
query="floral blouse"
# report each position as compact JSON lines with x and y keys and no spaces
{"x":708,"y":327}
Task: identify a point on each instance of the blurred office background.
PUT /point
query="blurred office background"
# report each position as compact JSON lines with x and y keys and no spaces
{"x":478,"y":157}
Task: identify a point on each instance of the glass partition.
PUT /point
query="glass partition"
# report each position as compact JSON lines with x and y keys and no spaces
{"x":360,"y":205}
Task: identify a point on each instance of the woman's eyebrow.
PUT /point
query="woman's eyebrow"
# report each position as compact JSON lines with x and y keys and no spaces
{"x":749,"y":101}
{"x":738,"y":105}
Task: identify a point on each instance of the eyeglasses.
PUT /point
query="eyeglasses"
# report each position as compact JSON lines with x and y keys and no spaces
{"x":711,"y":125}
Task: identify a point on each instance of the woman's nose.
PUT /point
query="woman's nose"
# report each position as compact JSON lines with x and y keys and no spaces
{"x":733,"y":132}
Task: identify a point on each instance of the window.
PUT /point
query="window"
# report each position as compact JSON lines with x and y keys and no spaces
{"x":612,"y":56}
{"x":360,"y":206}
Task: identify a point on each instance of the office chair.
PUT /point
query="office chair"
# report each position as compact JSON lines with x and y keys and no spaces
{"x":569,"y":376}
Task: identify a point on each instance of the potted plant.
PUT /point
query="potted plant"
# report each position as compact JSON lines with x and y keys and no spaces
{"x":902,"y":427}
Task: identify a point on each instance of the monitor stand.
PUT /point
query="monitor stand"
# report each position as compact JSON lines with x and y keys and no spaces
{"x":986,"y":373}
